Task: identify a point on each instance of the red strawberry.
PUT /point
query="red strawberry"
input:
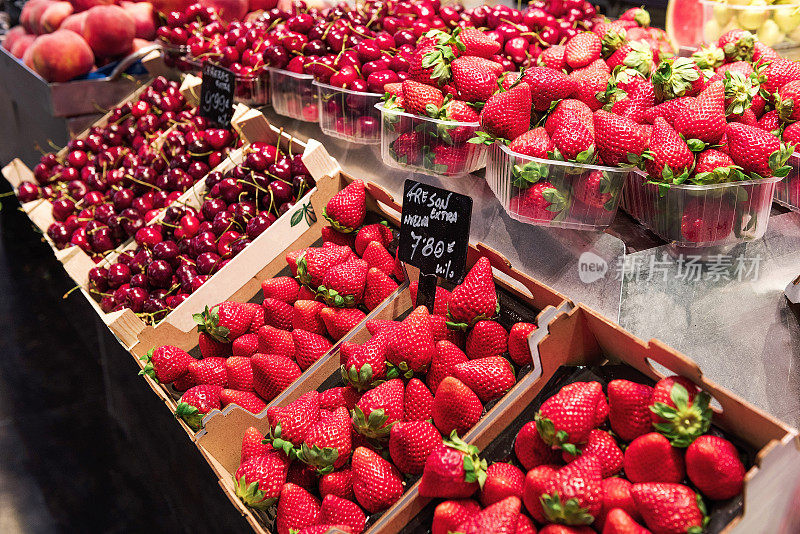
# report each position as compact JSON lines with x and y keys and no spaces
{"x":453,"y":470}
{"x":490,"y":378}
{"x":332,"y":398}
{"x":245,"y":345}
{"x":339,"y":483}
{"x":310,"y":347}
{"x":500,"y":517}
{"x":440,"y":300}
{"x":507,"y":115}
{"x":376,"y":255}
{"x":713,"y":465}
{"x":668,"y":508}
{"x":473,"y":81}
{"x":699,"y":225}
{"x":771,"y":122}
{"x":531,"y":450}
{"x":737,"y":45}
{"x":595,"y":192}
{"x":212,"y":348}
{"x":680,"y":410}
{"x":619,"y":522}
{"x":639,"y":15}
{"x":574,"y":141}
{"x":272,"y":373}
{"x":704,"y":119}
{"x":364,"y":364}
{"x":377,"y":484}
{"x":668,"y":110}
{"x":518,"y":348}
{"x":566,"y":109}
{"x":410,"y":443}
{"x":446,"y":358}
{"x":567,"y":418}
{"x":541,"y":201}
{"x":224,"y":322}
{"x":763,"y":54}
{"x":458,"y":111}
{"x":449,"y":160}
{"x":525,"y":525}
{"x":378,"y":409}
{"x":757,"y":151}
{"x":487,"y":338}
{"x":572,"y":495}
{"x":297,"y":509}
{"x":331,"y":235}
{"x":407,"y":148}
{"x":247,"y":400}
{"x":327,"y":443}
{"x":669,"y":158}
{"x":713,"y":167}
{"x":303,"y":475}
{"x":676,"y":77}
{"x":339,"y":321}
{"x":475,"y":298}
{"x":629,"y":408}
{"x":582,"y":49}
{"x":554,"y":57}
{"x":651,"y":458}
{"x":477,"y":43}
{"x":343,"y":284}
{"x":306,"y":316}
{"x":564,"y":529}
{"x":259,"y":480}
{"x":324,"y":528}
{"x":258,"y":317}
{"x":283,"y":288}
{"x":272,"y":340}
{"x":617,"y":495}
{"x":372,"y":232}
{"x":208,"y":371}
{"x":778,"y":73}
{"x":411,"y":347}
{"x":291,"y":423}
{"x":253,"y":445}
{"x":378,"y":286}
{"x":166,"y":364}
{"x":548,"y":86}
{"x":535,"y":143}
{"x":346,"y":210}
{"x":449,"y":514}
{"x":196,"y":402}
{"x":418,"y":401}
{"x":421,"y":99}
{"x":619,"y":139}
{"x":503,"y":480}
{"x":441,"y":332}
{"x":456,"y":408}
{"x":602,"y":445}
{"x":338,"y":511}
{"x":278,"y":314}
{"x":589,"y":84}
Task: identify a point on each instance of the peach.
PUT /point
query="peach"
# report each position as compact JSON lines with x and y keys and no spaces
{"x":261,"y":5}
{"x":143,"y":16}
{"x":85,"y":5}
{"x":60,"y":56}
{"x":228,"y":9}
{"x":109,"y":30}
{"x":32,"y":13}
{"x":74,"y":22}
{"x":165,"y":6}
{"x":141,"y":43}
{"x":21,"y":45}
{"x":54,"y":15}
{"x":12,"y":35}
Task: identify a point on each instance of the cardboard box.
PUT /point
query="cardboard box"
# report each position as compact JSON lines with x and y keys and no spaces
{"x":581,"y":337}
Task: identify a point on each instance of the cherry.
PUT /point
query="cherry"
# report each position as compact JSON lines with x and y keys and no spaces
{"x":198,"y":281}
{"x":257,"y":225}
{"x":62,"y":209}
{"x":159,"y":274}
{"x":98,"y":279}
{"x":189,"y":226}
{"x":167,"y":251}
{"x":134,"y":298}
{"x":148,"y":236}
{"x":27,"y":192}
{"x":377,"y":80}
{"x":369,"y":50}
{"x":117,"y":275}
{"x":206,"y":263}
{"x":103,"y":212}
{"x":100,"y":239}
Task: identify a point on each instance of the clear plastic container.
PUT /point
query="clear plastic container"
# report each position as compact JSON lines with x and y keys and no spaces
{"x":177,"y":57}
{"x":580,"y":197}
{"x":252,"y":90}
{"x":293,"y":95}
{"x":787,"y":192}
{"x":776,"y":25}
{"x":427,"y":145}
{"x":349,"y":115}
{"x":701,"y":215}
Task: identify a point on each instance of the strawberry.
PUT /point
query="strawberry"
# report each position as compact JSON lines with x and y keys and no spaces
{"x":324,"y":528}
{"x":332,"y":398}
{"x":454,"y":470}
{"x":531,"y":450}
{"x":449,"y":514}
{"x":418,"y":401}
{"x":574,"y":141}
{"x":525,"y":525}
{"x":569,"y":108}
{"x":500,"y":517}
{"x":612,"y":34}
{"x":554,"y":57}
{"x":475,"y":298}
{"x":490,"y":378}
{"x":339,"y":321}
{"x":636,"y":55}
{"x":669,"y":508}
{"x":758,"y":152}
{"x":441,"y":332}
{"x":377,"y":484}
{"x":708,"y":56}
{"x":640,"y":99}
{"x":704,"y":119}
{"x":253,"y":445}
{"x":541,"y":201}
{"x":440,"y":300}
{"x":446,"y":357}
{"x":778,"y":73}
{"x":258,"y":317}
{"x":677,"y":77}
{"x":245,"y":345}
{"x":617,"y":495}
{"x":679,"y":394}
{"x":378,"y":286}
{"x":365,"y":363}
{"x":698,"y":225}
{"x":297,"y":509}
{"x":518,"y":348}
{"x":247,"y":400}
{"x":619,"y":139}
{"x":595,"y":192}
{"x":763,"y":54}
{"x":310,"y":347}
{"x":507,"y":115}
{"x":372,"y":232}
{"x":487,"y":338}
{"x":548,"y":86}
{"x":291,"y":423}
{"x":567,"y":418}
{"x":713,"y":465}
{"x":306,"y":316}
{"x":339,"y":483}
{"x":503,"y":480}
{"x":737,"y":45}
{"x":669,"y":158}
{"x":272,"y":373}
{"x":668,"y":110}
{"x":338,"y":511}
{"x":331,"y":235}
{"x":166,"y":364}
{"x":473,"y":80}
{"x":564,"y":529}
{"x":476,"y":43}
{"x":196,"y":402}
{"x":651,"y":458}
{"x":343,"y":284}
{"x":291,"y":260}
{"x":303,"y":475}
{"x":448,"y":160}
{"x":376,"y":255}
{"x":259,"y":480}
{"x":283,"y":288}
{"x":208,"y":371}
{"x":346,"y":210}
{"x":771,"y":122}
{"x":278,"y":314}
{"x":378,"y":409}
{"x":619,"y":522}
{"x":602,"y":445}
{"x":407,"y":148}
{"x":456,"y":408}
{"x":225,"y":321}
{"x":535,"y":143}
{"x":421,"y":99}
{"x":272,"y":340}
{"x":410,"y":443}
{"x":637,"y":14}
{"x":411,"y":347}
{"x":571,"y":495}
{"x":314,"y":263}
{"x":714,"y":166}
{"x":629,"y":408}
{"x":327,"y":444}
{"x":582,"y":49}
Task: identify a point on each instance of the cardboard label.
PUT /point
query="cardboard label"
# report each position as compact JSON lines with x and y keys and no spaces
{"x":434,"y":230}
{"x":216,"y":94}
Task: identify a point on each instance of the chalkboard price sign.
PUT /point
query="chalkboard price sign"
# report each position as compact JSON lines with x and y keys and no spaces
{"x":216,"y":94}
{"x":434,"y":230}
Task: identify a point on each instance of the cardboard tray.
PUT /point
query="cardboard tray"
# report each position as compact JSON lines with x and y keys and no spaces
{"x":581,"y":337}
{"x":521,"y":297}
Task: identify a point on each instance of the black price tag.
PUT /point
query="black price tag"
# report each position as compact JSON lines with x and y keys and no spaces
{"x":434,"y":230}
{"x":216,"y":94}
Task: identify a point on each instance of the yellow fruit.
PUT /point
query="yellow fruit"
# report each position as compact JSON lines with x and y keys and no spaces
{"x":754,"y":16}
{"x":722,"y":14}
{"x":738,"y":2}
{"x":769,"y":33}
{"x":787,"y":17}
{"x":795,"y":35}
{"x":712,"y":30}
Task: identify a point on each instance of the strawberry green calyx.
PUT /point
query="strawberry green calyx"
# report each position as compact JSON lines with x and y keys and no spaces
{"x":528,"y":174}
{"x":640,"y":58}
{"x":208,"y":323}
{"x":685,"y":422}
{"x":302,"y":269}
{"x":559,"y":202}
{"x":278,"y":443}
{"x":613,"y":40}
{"x":778,"y":159}
{"x":483,"y":138}
{"x":741,"y":47}
{"x":642,"y":18}
{"x":566,"y":513}
{"x":474,"y":466}
{"x":673,"y":79}
{"x":740,"y":90}
{"x":251,"y":496}
{"x":559,"y":439}
{"x":321,"y":458}
{"x":339,"y":227}
{"x":360,"y":379}
{"x":452,"y":325}
{"x":719,"y":175}
{"x":440,"y":57}
{"x":149,"y":369}
{"x":699,"y":529}
{"x":373,"y":426}
{"x":399,"y":371}
{"x":334,"y":298}
{"x":190,"y":415}
{"x":709,"y":57}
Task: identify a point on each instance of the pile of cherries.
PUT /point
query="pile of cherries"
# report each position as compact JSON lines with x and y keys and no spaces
{"x":176,"y":255}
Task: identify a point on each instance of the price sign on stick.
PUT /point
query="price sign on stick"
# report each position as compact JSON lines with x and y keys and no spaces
{"x":434,"y":235}
{"x":216,"y":94}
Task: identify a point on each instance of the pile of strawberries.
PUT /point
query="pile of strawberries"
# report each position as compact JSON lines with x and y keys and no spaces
{"x":335,"y":456}
{"x":251,"y":352}
{"x":634,"y":462}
